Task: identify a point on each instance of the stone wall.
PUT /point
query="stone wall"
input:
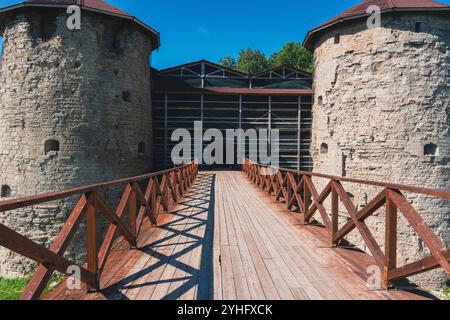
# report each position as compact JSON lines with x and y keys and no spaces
{"x":381,"y":111}
{"x":89,"y":90}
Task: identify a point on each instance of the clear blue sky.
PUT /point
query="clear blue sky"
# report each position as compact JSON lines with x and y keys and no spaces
{"x":208,"y":29}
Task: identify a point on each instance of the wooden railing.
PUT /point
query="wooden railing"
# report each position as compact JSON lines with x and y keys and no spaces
{"x":162,"y":189}
{"x":297,"y":190}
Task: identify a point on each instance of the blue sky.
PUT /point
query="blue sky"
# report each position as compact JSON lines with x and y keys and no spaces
{"x":208,"y":29}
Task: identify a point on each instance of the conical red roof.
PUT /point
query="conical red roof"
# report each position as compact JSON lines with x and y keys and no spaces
{"x":360,"y":10}
{"x":99,"y":6}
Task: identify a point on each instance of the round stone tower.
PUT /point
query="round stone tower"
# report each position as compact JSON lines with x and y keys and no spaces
{"x":75,"y":108}
{"x":381,"y":109}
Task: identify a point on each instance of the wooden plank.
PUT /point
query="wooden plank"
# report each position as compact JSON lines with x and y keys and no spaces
{"x":189,"y":288}
{"x":334,"y":216}
{"x":240,"y":279}
{"x":393,"y":186}
{"x":18,"y":203}
{"x":366,"y":212}
{"x":121,"y":257}
{"x":307,"y":256}
{"x":105,"y":248}
{"x":43,"y":274}
{"x":418,"y":267}
{"x":317,"y":202}
{"x":92,"y":254}
{"x":156,"y":284}
{"x":132,"y":211}
{"x":285,"y":248}
{"x":248,"y":273}
{"x":216,"y":284}
{"x":17,"y":243}
{"x":107,"y":212}
{"x":146,"y":273}
{"x":297,"y":265}
{"x":390,"y":239}
{"x":361,"y":226}
{"x":282,"y":287}
{"x":306,"y":202}
{"x":288,"y":278}
{"x":228,"y":284}
{"x":296,"y":190}
{"x":431,"y":240}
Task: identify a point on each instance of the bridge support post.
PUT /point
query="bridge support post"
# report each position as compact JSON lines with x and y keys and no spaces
{"x":334,"y":217}
{"x":92,"y":252}
{"x":307,"y":204}
{"x":390,"y":261}
{"x":132,"y":208}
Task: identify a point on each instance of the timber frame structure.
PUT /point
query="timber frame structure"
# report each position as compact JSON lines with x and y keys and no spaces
{"x":222,"y":98}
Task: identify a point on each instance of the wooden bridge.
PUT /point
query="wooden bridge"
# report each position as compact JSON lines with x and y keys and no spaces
{"x":226,"y":235}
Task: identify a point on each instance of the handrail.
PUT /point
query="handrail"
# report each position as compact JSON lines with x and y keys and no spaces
{"x":17,"y":203}
{"x":401,"y":187}
{"x":297,"y":190}
{"x":163,"y":190}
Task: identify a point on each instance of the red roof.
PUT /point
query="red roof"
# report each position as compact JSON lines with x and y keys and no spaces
{"x":360,"y":10}
{"x":99,"y":6}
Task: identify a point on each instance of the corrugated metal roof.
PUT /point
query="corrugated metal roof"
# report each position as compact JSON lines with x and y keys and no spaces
{"x":360,"y":10}
{"x":99,"y":6}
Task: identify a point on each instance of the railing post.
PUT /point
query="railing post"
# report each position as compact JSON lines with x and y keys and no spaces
{"x":289,"y":191}
{"x":168,"y":190}
{"x":165,"y":191}
{"x":185,"y":180}
{"x":92,"y":253}
{"x":390,"y":262}
{"x":132,"y":208}
{"x":154,"y":207}
{"x":306,"y":202}
{"x":334,"y":215}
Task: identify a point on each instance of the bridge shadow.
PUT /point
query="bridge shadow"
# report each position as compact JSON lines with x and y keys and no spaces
{"x":181,"y":262}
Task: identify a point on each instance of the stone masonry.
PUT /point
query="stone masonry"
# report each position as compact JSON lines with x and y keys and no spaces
{"x":75,"y":109}
{"x":381,"y":112}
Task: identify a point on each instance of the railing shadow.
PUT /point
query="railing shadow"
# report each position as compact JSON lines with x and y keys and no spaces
{"x":196,"y":214}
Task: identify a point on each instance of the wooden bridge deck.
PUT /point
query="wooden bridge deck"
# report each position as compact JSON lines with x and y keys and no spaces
{"x":228,"y":240}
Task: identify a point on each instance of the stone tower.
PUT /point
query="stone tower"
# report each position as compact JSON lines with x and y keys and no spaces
{"x":381,"y":109}
{"x":75,"y":108}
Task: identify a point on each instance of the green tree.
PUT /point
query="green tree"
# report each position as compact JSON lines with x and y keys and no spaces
{"x":294,"y":55}
{"x":229,"y":62}
{"x":252,"y":61}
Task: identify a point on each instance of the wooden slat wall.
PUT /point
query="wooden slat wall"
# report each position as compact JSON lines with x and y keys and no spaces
{"x":290,"y":114}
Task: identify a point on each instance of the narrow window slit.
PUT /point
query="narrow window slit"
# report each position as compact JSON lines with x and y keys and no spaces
{"x":5,"y":191}
{"x":141,"y":148}
{"x":51,"y":146}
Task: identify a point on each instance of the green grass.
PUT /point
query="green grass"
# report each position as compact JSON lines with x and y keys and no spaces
{"x":446,"y":293}
{"x":443,"y":294}
{"x":11,"y":289}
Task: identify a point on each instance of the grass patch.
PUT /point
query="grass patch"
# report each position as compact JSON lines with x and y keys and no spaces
{"x":443,"y":294}
{"x":446,"y":293}
{"x":11,"y":289}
